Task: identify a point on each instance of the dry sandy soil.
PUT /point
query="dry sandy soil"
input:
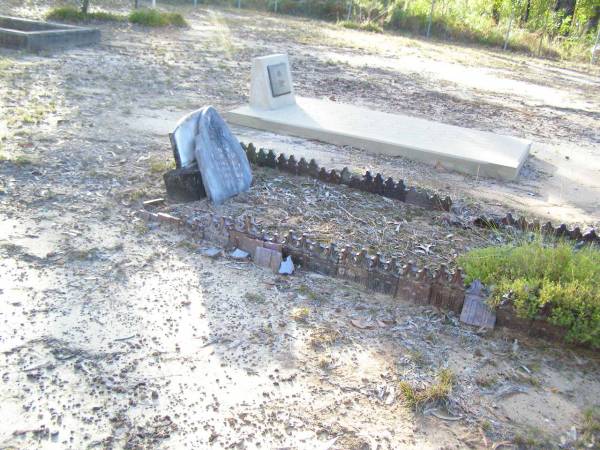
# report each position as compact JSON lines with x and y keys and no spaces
{"x":120,"y":334}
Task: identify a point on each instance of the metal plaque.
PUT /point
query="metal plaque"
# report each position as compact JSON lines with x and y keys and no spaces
{"x":280,"y":83}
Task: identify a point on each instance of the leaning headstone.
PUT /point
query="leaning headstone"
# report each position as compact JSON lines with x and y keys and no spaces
{"x":183,"y":139}
{"x":222,"y":162}
{"x":475,"y":309}
{"x":184,"y":185}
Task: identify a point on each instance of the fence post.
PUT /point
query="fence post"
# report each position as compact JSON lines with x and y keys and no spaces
{"x":430,"y":18}
{"x":595,"y":45}
{"x":510,"y":21}
{"x":542,"y":34}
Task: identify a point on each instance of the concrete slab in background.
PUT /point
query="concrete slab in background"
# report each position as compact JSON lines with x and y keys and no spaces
{"x":462,"y":149}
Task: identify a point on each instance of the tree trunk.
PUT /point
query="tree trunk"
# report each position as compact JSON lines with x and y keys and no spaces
{"x":496,"y":5}
{"x":525,"y":16}
{"x":567,"y":6}
{"x":85,"y":5}
{"x":592,"y":22}
{"x":136,"y":4}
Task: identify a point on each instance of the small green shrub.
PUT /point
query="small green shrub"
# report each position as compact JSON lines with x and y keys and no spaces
{"x":349,"y":24}
{"x":154,"y":18}
{"x":66,"y":14}
{"x":147,"y":17}
{"x":556,"y":283}
{"x":70,"y":14}
{"x":365,"y":26}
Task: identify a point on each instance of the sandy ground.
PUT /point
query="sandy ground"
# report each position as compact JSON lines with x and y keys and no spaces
{"x":116,"y":334}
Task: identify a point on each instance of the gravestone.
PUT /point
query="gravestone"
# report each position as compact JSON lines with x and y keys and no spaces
{"x":222,"y":161}
{"x":185,"y":184}
{"x":182,"y":139}
{"x":271,"y":82}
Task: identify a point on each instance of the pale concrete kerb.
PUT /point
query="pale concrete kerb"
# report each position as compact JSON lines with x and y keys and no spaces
{"x":37,"y":36}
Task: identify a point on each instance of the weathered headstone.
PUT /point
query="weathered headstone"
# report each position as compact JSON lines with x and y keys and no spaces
{"x":185,"y":184}
{"x":222,"y":161}
{"x":182,"y":139}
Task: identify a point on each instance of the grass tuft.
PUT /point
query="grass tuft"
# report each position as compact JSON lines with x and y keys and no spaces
{"x":364,"y":26}
{"x":70,"y":14}
{"x":321,"y":338}
{"x":557,"y":283}
{"x":300,"y":314}
{"x":159,"y":165}
{"x":146,"y":17}
{"x":590,"y":429}
{"x":437,"y":392}
{"x":255,"y":297}
{"x":154,"y":18}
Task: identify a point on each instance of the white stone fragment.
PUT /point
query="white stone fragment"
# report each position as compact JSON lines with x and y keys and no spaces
{"x":287,"y":266}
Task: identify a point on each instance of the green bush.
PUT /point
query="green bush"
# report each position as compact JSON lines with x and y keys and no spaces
{"x":366,"y":26}
{"x":154,"y":18}
{"x":70,"y":14}
{"x":550,"y":282}
{"x":147,"y":17}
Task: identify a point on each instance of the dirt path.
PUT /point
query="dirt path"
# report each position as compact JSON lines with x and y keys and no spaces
{"x":119,"y":334}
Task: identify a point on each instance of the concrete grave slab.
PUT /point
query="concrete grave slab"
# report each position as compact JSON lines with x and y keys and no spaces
{"x":462,"y":149}
{"x":36,"y":36}
{"x":273,"y":107}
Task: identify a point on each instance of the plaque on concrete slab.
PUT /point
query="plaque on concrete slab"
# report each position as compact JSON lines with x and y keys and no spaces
{"x":222,"y":161}
{"x":280,"y":84}
{"x":271,"y":84}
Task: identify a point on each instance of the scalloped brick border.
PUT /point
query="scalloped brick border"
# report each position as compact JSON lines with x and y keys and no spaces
{"x":367,"y":183}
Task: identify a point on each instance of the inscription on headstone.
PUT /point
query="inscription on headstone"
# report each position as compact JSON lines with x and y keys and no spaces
{"x":222,"y":161}
{"x":280,"y":84}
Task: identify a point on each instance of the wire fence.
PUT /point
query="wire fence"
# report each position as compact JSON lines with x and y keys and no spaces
{"x":533,"y":26}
